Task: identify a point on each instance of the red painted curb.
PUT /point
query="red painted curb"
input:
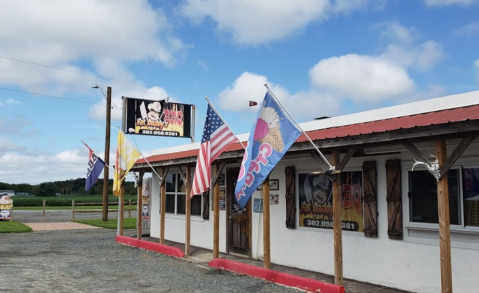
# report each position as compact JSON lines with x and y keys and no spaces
{"x":276,"y":277}
{"x":157,"y":247}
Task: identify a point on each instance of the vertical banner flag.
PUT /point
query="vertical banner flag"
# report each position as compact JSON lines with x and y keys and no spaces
{"x":217,"y":136}
{"x":126,"y":156}
{"x":95,"y":167}
{"x":270,"y":138}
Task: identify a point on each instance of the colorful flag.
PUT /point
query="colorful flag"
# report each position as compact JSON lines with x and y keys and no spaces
{"x":95,"y":166}
{"x":217,"y":136}
{"x":126,"y":156}
{"x":270,"y":138}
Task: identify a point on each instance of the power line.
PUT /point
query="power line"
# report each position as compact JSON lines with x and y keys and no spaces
{"x":50,"y":96}
{"x":90,"y":74}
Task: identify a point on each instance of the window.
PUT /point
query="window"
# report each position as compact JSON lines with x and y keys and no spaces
{"x":316,"y":203}
{"x":423,"y":197}
{"x":176,"y":196}
{"x":471,"y":196}
{"x":463,"y":197}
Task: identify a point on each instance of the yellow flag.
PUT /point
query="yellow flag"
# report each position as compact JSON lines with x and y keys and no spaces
{"x":126,"y":156}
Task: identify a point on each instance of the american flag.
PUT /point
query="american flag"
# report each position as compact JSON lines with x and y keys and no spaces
{"x":217,"y":136}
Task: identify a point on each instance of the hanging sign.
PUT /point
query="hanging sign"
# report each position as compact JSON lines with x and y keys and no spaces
{"x":158,"y":118}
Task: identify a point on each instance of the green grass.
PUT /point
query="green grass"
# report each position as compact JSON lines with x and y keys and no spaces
{"x":13,"y":227}
{"x":133,"y":207}
{"x":128,"y":223}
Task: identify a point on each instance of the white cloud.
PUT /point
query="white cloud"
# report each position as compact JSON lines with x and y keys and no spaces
{"x":429,"y":54}
{"x":7,"y":146}
{"x":247,"y":87}
{"x":14,"y":126}
{"x":60,"y":33}
{"x":398,"y":33}
{"x":303,"y":106}
{"x":361,"y":78}
{"x":469,"y":30}
{"x":12,"y":101}
{"x":443,"y":3}
{"x":267,"y":20}
{"x":33,"y":169}
{"x":406,"y":51}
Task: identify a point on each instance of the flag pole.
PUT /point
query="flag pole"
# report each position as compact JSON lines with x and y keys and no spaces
{"x":219,"y":115}
{"x":331,"y":167}
{"x":144,"y":158}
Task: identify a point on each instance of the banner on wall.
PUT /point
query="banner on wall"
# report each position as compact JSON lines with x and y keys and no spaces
{"x":316,"y":202}
{"x":158,"y":118}
{"x":146,"y":195}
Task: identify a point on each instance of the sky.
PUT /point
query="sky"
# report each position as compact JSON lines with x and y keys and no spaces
{"x":319,"y":58}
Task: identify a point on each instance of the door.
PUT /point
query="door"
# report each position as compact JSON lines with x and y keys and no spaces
{"x":239,"y":219}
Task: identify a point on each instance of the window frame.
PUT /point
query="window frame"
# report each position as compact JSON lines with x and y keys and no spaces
{"x":427,"y":233}
{"x":460,"y":200}
{"x":177,"y":192}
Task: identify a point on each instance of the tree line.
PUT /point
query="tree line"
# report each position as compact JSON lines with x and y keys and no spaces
{"x":66,"y":187}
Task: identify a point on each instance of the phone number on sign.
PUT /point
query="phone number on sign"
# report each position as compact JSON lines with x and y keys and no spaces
{"x":346,"y":225}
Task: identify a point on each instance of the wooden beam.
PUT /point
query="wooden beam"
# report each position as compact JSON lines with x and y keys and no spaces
{"x":346,"y":159}
{"x":164,"y":172}
{"x":187,"y":210}
{"x":217,"y":174}
{"x":216,"y":216}
{"x":320,"y":161}
{"x":338,"y":238}
{"x":416,"y":154}
{"x":266,"y":226}
{"x":139,"y":206}
{"x":162,"y":179}
{"x":458,"y":151}
{"x":444,"y":224}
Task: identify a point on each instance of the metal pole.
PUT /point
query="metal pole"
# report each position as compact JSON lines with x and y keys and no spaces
{"x":107,"y":155}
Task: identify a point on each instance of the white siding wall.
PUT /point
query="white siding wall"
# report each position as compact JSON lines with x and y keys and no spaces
{"x":411,"y":264}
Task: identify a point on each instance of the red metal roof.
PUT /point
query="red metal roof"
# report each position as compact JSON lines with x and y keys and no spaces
{"x":403,"y":122}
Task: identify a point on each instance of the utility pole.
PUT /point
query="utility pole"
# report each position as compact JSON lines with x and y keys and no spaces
{"x":107,"y":155}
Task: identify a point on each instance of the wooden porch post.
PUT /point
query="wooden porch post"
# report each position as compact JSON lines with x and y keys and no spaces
{"x":163,"y":206}
{"x":216,"y":216}
{"x":188,"y":211}
{"x":266,"y":227}
{"x":444,"y":221}
{"x":338,"y":239}
{"x":121,"y":208}
{"x":139,"y":205}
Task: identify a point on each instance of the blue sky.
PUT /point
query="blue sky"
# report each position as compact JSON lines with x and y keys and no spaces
{"x":320,"y":58}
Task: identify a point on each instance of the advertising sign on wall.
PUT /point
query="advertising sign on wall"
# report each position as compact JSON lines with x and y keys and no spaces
{"x":316,"y":202}
{"x":158,"y":118}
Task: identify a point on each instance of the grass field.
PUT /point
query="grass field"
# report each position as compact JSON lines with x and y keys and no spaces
{"x":55,"y":201}
{"x":13,"y":227}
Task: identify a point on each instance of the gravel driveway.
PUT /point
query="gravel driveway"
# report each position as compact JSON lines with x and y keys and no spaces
{"x":91,"y":261}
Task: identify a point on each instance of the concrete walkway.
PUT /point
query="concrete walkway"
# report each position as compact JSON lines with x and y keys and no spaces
{"x":58,"y":226}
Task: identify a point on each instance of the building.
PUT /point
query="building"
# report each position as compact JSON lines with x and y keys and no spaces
{"x":10,"y":193}
{"x":390,"y":219}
